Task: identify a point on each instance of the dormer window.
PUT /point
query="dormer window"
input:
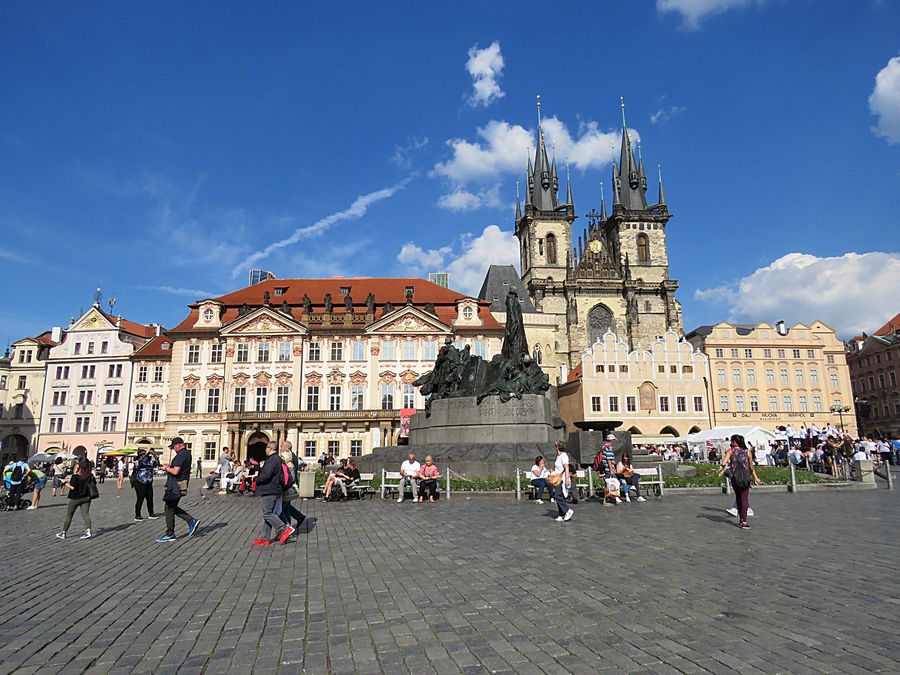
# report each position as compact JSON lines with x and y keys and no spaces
{"x":468,"y":313}
{"x":165,"y":346}
{"x":345,"y":291}
{"x":409,"y":289}
{"x":207,"y":315}
{"x":280,"y":291}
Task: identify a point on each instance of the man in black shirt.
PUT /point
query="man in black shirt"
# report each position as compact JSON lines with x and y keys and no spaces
{"x":178,"y":471}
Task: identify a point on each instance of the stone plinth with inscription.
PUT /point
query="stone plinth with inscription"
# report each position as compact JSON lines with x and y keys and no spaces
{"x":492,"y":438}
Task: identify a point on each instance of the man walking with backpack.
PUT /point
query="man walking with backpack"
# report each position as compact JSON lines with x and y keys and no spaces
{"x":271,"y":482}
{"x":178,"y":471}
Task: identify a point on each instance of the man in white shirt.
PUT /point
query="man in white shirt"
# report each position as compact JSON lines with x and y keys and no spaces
{"x":408,"y":472}
{"x":861,"y":455}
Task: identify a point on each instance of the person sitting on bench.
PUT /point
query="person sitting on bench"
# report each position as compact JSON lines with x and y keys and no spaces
{"x":409,"y":471}
{"x":429,"y":475}
{"x":350,"y":478}
{"x":628,"y":478}
{"x":338,"y":474}
{"x":538,"y":478}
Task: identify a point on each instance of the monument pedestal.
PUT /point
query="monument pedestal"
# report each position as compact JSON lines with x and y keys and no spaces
{"x":488,"y":439}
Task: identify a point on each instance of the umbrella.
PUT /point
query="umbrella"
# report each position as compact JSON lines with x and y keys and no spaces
{"x":40,"y":458}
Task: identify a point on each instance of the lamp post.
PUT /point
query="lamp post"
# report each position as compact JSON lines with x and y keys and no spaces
{"x":840,"y":410}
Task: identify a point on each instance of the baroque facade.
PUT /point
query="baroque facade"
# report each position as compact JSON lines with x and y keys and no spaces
{"x":658,"y":392}
{"x":772,"y":376}
{"x":87,"y":387}
{"x":21,"y":394}
{"x":617,"y":276}
{"x":327,"y":364}
{"x":874,"y":361}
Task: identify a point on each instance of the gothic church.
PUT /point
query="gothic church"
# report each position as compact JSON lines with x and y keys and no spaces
{"x":614,"y":274}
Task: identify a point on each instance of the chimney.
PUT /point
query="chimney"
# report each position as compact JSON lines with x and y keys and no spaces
{"x":158,"y":329}
{"x":780,"y":328}
{"x":56,"y":334}
{"x":119,"y":322}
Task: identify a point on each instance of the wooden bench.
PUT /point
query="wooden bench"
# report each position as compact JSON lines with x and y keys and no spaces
{"x":390,"y":484}
{"x":525,"y":477}
{"x":363,"y":487}
{"x":652,"y":477}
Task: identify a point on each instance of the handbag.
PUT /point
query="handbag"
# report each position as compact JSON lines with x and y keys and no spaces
{"x":92,"y":489}
{"x":182,"y":487}
{"x":554,"y":480}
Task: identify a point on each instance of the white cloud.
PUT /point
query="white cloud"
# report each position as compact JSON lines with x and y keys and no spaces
{"x":356,"y":210}
{"x":851,"y":293}
{"x":402,"y":156}
{"x":423,"y":260}
{"x":468,"y":259}
{"x":694,"y":11}
{"x":503,"y":148}
{"x":663,"y":115}
{"x":461,"y":199}
{"x":486,"y":67}
{"x":177,"y":290}
{"x":885,"y":101}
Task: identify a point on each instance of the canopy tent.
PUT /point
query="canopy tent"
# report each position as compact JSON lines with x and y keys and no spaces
{"x":755,"y":435}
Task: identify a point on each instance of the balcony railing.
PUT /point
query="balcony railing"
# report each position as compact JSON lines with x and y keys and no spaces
{"x":349,"y":415}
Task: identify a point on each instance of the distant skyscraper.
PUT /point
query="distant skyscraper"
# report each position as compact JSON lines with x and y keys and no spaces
{"x":258,"y":276}
{"x":440,"y":278}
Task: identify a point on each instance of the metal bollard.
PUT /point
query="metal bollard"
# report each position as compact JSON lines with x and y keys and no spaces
{"x":518,"y":484}
{"x":590,"y":475}
{"x":890,"y":479}
{"x":448,"y":483}
{"x":793,"y":485}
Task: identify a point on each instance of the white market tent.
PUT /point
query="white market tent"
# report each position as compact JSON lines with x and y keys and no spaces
{"x":756,"y":435}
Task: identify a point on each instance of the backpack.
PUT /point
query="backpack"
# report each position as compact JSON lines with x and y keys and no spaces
{"x":16,"y":476}
{"x":598,"y":462}
{"x":740,"y":474}
{"x":285,"y":477}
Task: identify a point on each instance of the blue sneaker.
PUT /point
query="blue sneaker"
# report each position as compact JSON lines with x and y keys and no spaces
{"x":165,"y":538}
{"x":195,"y":523}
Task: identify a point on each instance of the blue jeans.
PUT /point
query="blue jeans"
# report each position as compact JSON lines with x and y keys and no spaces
{"x":539,"y":484}
{"x":271,"y":512}
{"x":560,"y":498}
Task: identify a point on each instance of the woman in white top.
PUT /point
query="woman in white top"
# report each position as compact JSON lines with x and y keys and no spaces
{"x":538,"y":478}
{"x":561,"y":491}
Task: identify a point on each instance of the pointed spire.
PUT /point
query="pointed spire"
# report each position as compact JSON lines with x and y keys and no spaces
{"x":662,"y":194}
{"x":569,"y":200}
{"x":554,"y":179}
{"x":518,"y":204}
{"x":543,"y":196}
{"x":603,"y":215}
{"x":631,"y":194}
{"x":641,"y":175}
{"x":615,"y":184}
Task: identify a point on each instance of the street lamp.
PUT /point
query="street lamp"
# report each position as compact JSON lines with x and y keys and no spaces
{"x":840,"y":410}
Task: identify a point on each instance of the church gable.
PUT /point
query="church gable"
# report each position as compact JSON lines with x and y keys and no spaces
{"x":93,"y":319}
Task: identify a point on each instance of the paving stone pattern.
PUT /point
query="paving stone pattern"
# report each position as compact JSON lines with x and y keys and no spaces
{"x":466,"y":585}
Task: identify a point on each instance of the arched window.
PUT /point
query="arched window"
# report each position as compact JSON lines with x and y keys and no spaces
{"x":643,"y":246}
{"x":600,"y":320}
{"x":551,"y":249}
{"x":537,"y":355}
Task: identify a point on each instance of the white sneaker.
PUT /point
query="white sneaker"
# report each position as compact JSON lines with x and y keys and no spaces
{"x":749,"y":512}
{"x":618,"y":501}
{"x":628,"y":498}
{"x":569,"y":514}
{"x":538,"y":501}
{"x":86,"y":535}
{"x":559,"y":519}
{"x":60,"y":535}
{"x":31,"y":508}
{"x":732,"y":511}
{"x":641,"y":499}
{"x":400,"y":501}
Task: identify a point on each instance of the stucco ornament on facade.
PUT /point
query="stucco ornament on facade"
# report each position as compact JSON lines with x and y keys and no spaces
{"x":336,"y":376}
{"x":387,"y":377}
{"x":358,"y":377}
{"x":283,"y":378}
{"x":409,"y":376}
{"x":314,"y":379}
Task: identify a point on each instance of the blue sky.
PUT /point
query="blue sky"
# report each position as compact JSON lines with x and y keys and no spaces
{"x":157,"y":149}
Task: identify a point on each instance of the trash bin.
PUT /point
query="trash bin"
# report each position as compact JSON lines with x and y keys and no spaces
{"x":306,"y":484}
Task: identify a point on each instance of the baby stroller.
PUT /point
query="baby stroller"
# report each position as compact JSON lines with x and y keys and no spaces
{"x":27,"y":488}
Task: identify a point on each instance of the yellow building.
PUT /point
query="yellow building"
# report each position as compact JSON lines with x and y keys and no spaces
{"x":21,"y":394}
{"x":773,"y":376}
{"x":656,"y":393}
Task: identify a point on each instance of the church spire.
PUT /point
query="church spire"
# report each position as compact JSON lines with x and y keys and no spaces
{"x":569,"y":200}
{"x":518,"y":204}
{"x":602,"y":204}
{"x":662,"y":195}
{"x":631,"y":196}
{"x":543,"y":197}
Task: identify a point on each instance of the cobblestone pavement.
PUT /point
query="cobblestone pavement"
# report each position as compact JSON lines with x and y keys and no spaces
{"x":466,"y":585}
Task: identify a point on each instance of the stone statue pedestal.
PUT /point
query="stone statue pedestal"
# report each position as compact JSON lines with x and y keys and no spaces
{"x":491,"y":439}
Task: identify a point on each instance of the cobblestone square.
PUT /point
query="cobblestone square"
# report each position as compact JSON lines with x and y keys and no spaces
{"x":467,"y":585}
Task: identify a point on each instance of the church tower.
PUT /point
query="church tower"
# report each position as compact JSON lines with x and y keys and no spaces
{"x":544,"y":230}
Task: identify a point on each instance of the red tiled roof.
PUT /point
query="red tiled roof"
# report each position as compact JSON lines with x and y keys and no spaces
{"x":385,"y":290}
{"x":154,"y":349}
{"x":889,"y":327}
{"x":575,"y":374}
{"x":45,"y":339}
{"x":132,"y":327}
